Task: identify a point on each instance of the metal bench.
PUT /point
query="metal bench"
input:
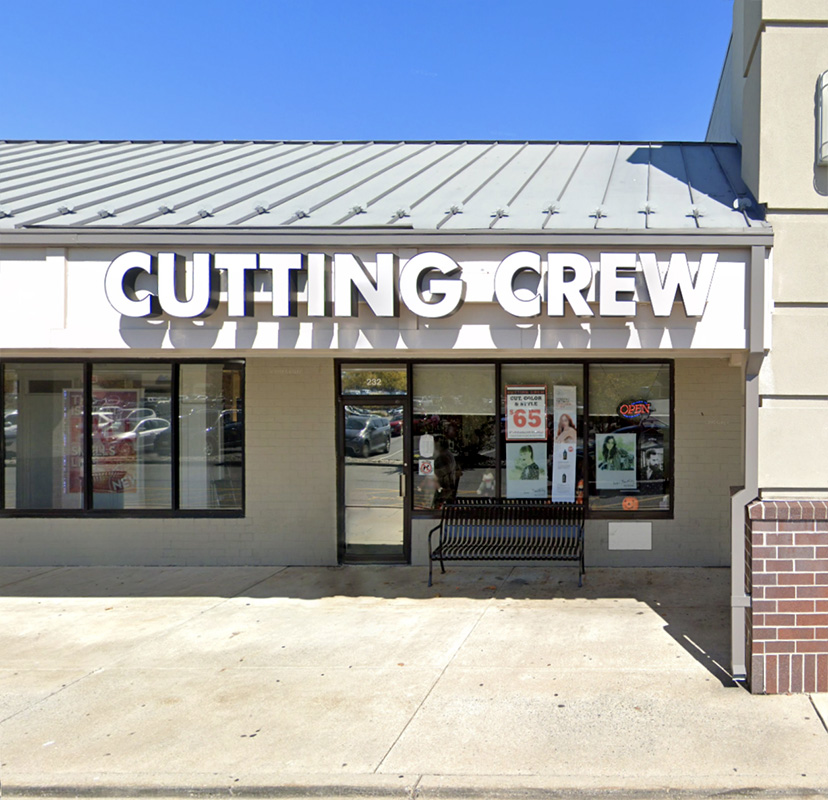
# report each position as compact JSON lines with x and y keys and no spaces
{"x":499,"y":529}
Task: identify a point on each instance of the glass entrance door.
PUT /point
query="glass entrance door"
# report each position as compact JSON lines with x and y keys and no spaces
{"x":373,"y":465}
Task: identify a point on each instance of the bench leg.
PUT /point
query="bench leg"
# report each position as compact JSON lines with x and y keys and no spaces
{"x":430,"y":565}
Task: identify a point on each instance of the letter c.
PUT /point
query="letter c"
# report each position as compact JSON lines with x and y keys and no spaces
{"x":504,"y":284}
{"x":120,"y":285}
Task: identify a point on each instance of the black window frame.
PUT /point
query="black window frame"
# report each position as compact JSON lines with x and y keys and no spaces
{"x":584,"y":430}
{"x":88,"y":511}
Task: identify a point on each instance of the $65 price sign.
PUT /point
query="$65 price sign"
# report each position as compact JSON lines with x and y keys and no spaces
{"x":525,"y":413}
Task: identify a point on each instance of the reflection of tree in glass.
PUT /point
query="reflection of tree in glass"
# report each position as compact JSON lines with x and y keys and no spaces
{"x":610,"y":386}
{"x":391,"y":381}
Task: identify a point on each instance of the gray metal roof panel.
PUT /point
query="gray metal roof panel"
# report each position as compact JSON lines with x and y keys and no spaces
{"x":415,"y":191}
{"x":364,"y":199}
{"x":580,"y":202}
{"x":625,"y":197}
{"x":38,"y":173}
{"x":81,"y":189}
{"x":470,"y":193}
{"x":107,"y":188}
{"x":331,"y":194}
{"x":539,"y":199}
{"x":447,"y":186}
{"x":712,"y":189}
{"x":299,"y":189}
{"x":222,"y":184}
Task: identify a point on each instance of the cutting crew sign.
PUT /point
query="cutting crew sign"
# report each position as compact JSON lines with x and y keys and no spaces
{"x":430,"y":285}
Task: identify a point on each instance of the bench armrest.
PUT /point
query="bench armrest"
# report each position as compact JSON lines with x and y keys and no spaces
{"x":438,"y":527}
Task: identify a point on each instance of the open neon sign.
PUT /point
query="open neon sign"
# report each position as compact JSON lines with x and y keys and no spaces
{"x":635,"y":409}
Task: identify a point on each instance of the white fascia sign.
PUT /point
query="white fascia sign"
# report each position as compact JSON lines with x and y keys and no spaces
{"x":430,"y":285}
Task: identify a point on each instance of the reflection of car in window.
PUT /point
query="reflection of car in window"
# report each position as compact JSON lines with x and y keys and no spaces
{"x":10,"y":431}
{"x":114,"y":412}
{"x":141,"y":438}
{"x":648,"y":424}
{"x":133,"y":416}
{"x":366,"y":435}
{"x":225,"y":435}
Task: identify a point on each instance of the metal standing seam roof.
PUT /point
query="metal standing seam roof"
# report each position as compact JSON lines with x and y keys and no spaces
{"x":447,"y":186}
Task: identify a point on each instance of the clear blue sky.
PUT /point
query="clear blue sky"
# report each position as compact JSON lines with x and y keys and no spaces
{"x":307,"y":69}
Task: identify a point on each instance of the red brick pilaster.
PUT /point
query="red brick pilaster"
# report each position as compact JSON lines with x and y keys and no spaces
{"x":787,"y":624}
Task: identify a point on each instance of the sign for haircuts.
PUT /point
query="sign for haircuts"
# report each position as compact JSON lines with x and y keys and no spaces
{"x":430,"y":285}
{"x":526,"y":448}
{"x":525,"y":413}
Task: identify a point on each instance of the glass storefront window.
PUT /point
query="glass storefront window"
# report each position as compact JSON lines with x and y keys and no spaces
{"x":630,"y":460}
{"x":211,"y":436}
{"x":598,"y":431}
{"x":43,"y":433}
{"x":131,"y":466}
{"x":139,"y":436}
{"x":454,"y":432}
{"x":550,"y":465}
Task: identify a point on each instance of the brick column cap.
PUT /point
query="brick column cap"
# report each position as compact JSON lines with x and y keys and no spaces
{"x":784,"y":510}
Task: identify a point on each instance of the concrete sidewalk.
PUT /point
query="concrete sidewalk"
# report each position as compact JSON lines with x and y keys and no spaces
{"x":361,"y":681}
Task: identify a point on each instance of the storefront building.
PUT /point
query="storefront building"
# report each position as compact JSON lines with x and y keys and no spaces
{"x":295,"y":353}
{"x":219,"y":353}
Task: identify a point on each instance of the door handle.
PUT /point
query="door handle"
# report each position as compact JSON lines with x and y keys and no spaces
{"x":402,"y":484}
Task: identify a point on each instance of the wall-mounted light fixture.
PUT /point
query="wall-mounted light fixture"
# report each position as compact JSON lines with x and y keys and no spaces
{"x":822,"y":121}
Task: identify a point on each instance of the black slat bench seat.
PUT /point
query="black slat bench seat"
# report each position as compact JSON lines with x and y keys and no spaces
{"x":499,"y":529}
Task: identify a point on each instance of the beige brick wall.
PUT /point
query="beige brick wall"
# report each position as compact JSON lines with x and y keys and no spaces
{"x":291,"y":510}
{"x":291,"y":460}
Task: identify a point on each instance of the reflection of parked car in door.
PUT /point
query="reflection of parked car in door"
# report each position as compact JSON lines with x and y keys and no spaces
{"x":226,"y":435}
{"x":10,"y":431}
{"x":366,"y":435}
{"x":396,"y":422}
{"x":142,"y":437}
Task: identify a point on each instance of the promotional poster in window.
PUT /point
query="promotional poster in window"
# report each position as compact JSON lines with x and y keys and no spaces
{"x":113,"y":451}
{"x":616,"y":460}
{"x":526,"y":469}
{"x":526,"y":442}
{"x":565,"y":445}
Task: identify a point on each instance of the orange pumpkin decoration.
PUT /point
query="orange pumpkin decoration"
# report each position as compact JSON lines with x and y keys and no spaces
{"x":630,"y":504}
